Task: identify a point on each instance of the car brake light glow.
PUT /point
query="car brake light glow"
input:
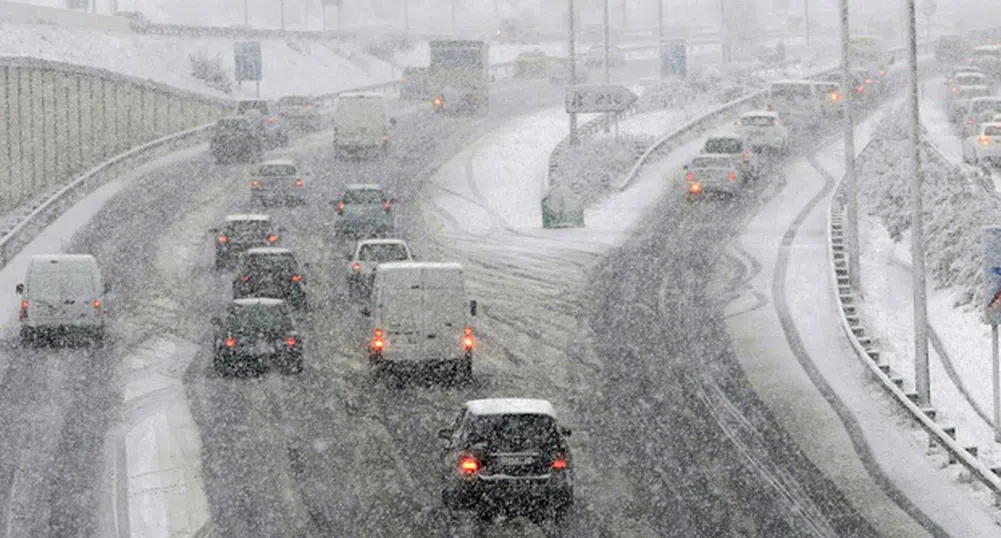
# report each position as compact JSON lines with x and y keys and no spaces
{"x":438,"y":101}
{"x":378,"y":343}
{"x":732,"y":176}
{"x":835,"y":96}
{"x":559,"y":463}
{"x":230,"y":342}
{"x":868,"y":81}
{"x":298,"y":183}
{"x":969,"y":121}
{"x":770,"y":106}
{"x":747,"y":156}
{"x":223,"y":239}
{"x":255,"y":184}
{"x":24,"y":309}
{"x":695,"y":188}
{"x":273,"y":238}
{"x":245,"y":278}
{"x":309,"y":107}
{"x":985,"y":140}
{"x":859,"y":89}
{"x":296,"y":278}
{"x":340,"y":208}
{"x":97,"y":304}
{"x":467,"y":340}
{"x":690,"y":176}
{"x":387,"y":205}
{"x":291,"y":341}
{"x":356,"y":266}
{"x":468,"y":464}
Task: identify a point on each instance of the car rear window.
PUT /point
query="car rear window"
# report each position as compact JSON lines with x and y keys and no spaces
{"x":258,"y":318}
{"x":245,"y":106}
{"x":724,"y":145}
{"x":382,"y":253}
{"x":294,"y":101}
{"x":967,"y":79}
{"x":276,"y":170}
{"x":992,"y":130}
{"x":363,"y":196}
{"x":979,"y":107}
{"x":58,"y":284}
{"x":284,"y":264}
{"x":711,"y":162}
{"x":969,"y":93}
{"x":248,"y":228}
{"x":233,"y":125}
{"x":514,"y":433}
{"x":757,"y":121}
{"x":792,"y":91}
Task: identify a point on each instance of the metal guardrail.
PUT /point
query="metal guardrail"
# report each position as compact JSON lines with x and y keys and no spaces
{"x":851,"y":324}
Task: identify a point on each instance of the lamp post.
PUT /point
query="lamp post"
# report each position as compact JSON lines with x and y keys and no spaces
{"x":571,"y":51}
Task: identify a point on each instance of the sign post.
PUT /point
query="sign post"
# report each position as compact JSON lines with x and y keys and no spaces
{"x":572,"y":53}
{"x":247,"y":62}
{"x":992,"y":311}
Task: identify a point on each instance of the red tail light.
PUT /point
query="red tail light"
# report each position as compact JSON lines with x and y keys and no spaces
{"x":467,"y":339}
{"x":468,"y":464}
{"x":340,"y":208}
{"x":296,"y":278}
{"x":378,"y":343}
{"x":255,"y":184}
{"x":298,"y":183}
{"x":230,"y":342}
{"x":245,"y":278}
{"x":309,"y":107}
{"x":690,"y":176}
{"x":559,"y":463}
{"x":985,"y":140}
{"x":356,"y":266}
{"x":273,"y":119}
{"x":24,"y":310}
{"x":747,"y":156}
{"x":223,"y":239}
{"x":387,"y":205}
{"x":868,"y":81}
{"x":770,"y":106}
{"x":291,"y":341}
{"x":438,"y":101}
{"x":732,"y":176}
{"x":859,"y":89}
{"x":695,"y":188}
{"x":969,"y":121}
{"x":273,"y":238}
{"x":98,"y":304}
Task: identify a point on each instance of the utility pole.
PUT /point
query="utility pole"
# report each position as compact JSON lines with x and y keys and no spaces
{"x":922,"y":380}
{"x":607,"y":32}
{"x":660,"y":22}
{"x":806,"y":25}
{"x":282,"y":8}
{"x":453,"y":19}
{"x":571,"y":51}
{"x":246,"y":12}
{"x":848,"y":97}
{"x":406,"y":17}
{"x":722,"y":33}
{"x":625,"y":21}
{"x":340,"y":17}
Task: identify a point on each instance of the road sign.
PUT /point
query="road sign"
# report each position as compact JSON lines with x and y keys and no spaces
{"x":928,"y":8}
{"x":592,"y":98}
{"x":992,"y":274}
{"x":562,"y":208}
{"x":674,"y":58}
{"x":247,"y":60}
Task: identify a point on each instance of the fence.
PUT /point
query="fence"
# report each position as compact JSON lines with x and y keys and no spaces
{"x":61,"y":119}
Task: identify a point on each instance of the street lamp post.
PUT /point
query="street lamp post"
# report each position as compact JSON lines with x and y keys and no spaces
{"x":282,"y":8}
{"x":847,"y":99}
{"x":806,"y":25}
{"x":722,"y":33}
{"x":246,"y":12}
{"x":572,"y":53}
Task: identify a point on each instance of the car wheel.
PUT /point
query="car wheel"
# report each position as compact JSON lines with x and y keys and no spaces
{"x":27,"y":337}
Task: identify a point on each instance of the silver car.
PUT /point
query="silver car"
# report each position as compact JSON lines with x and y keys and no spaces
{"x":365,"y":210}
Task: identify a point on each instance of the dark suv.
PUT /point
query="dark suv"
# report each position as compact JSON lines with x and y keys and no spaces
{"x":364,"y":210}
{"x":264,"y":118}
{"x":270,"y":272}
{"x":240,"y":233}
{"x":508,"y":455}
{"x":256,"y":334}
{"x":236,"y":140}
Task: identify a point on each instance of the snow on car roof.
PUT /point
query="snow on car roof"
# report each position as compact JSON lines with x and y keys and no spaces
{"x":361,"y":95}
{"x":269,"y":250}
{"x":760,"y":113}
{"x":254,"y":301}
{"x":247,"y":216}
{"x":279,"y":162}
{"x":510,"y":406}
{"x":61,"y":257}
{"x":363,"y":186}
{"x":382,"y":242}
{"x":400,"y":266}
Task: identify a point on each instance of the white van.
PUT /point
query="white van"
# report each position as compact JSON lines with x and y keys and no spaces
{"x":361,"y":123}
{"x":798,"y":102}
{"x":420,"y":316}
{"x":62,"y":293}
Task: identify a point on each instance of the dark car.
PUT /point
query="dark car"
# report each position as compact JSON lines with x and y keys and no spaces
{"x":508,"y":456}
{"x":364,"y":210}
{"x":270,"y":272}
{"x":256,"y":334}
{"x":239,"y":233}
{"x":236,"y":140}
{"x":264,"y":117}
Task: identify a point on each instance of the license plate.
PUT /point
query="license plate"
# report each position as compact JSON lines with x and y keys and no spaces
{"x":515,"y":460}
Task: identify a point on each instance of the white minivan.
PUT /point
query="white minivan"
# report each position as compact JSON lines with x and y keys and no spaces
{"x":62,"y":294}
{"x":798,"y":102}
{"x":361,"y":124}
{"x":420,"y":317}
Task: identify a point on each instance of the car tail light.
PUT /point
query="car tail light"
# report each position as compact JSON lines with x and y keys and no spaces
{"x":985,"y":140}
{"x":747,"y":156}
{"x":468,"y":464}
{"x":560,"y":462}
{"x":273,"y":238}
{"x":385,"y":138}
{"x":695,"y":188}
{"x":732,"y":176}
{"x":690,"y":176}
{"x":298,"y":183}
{"x":467,"y":339}
{"x":868,"y":81}
{"x":24,"y":310}
{"x":378,"y":343}
{"x":438,"y":101}
{"x":309,"y":107}
{"x":969,"y":121}
{"x":835,"y":96}
{"x":340,"y":208}
{"x":296,"y":278}
{"x":255,"y":184}
{"x":245,"y":278}
{"x":230,"y":342}
{"x":770,"y":107}
{"x":387,"y":205}
{"x":291,"y":341}
{"x":859,"y":89}
{"x":272,"y":119}
{"x":356,"y":266}
{"x":98,"y":304}
{"x":223,"y":239}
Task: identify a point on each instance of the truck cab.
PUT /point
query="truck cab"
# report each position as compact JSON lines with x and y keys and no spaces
{"x":459,"y":76}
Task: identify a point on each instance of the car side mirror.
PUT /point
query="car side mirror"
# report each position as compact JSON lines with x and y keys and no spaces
{"x":565,"y":431}
{"x":216,"y":321}
{"x":472,"y":307}
{"x":107,"y":287}
{"x":365,"y":311}
{"x":19,"y":289}
{"x":392,"y":121}
{"x":445,"y":433}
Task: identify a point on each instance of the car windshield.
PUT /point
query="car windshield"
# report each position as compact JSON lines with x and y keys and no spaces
{"x":244,"y":319}
{"x":968,"y":79}
{"x":382,"y":253}
{"x":363,"y":196}
{"x":757,"y":121}
{"x":277,"y":170}
{"x":280,"y":264}
{"x":711,"y":162}
{"x":246,"y":106}
{"x":723,"y":145}
{"x":248,"y":229}
{"x":514,"y":433}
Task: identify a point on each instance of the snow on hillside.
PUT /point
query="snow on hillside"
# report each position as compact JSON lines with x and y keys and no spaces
{"x":288,"y":67}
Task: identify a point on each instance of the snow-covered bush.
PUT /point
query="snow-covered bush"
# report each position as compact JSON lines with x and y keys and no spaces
{"x":593,"y":167}
{"x":704,"y":86}
{"x":955,"y":206}
{"x":211,"y":71}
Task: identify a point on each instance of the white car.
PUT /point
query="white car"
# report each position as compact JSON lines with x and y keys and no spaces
{"x":979,"y":110}
{"x":962,"y":98}
{"x":984,"y":146}
{"x":63,"y":297}
{"x":367,"y":256}
{"x":764,"y":129}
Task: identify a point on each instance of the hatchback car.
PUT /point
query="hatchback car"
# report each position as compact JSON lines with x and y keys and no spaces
{"x":368,"y":254}
{"x":239,"y":233}
{"x":762,"y":129}
{"x":270,"y":272}
{"x":364,"y":210}
{"x":748,"y":162}
{"x":256,"y":334}
{"x":711,"y":174}
{"x":508,"y":455}
{"x":984,"y":145}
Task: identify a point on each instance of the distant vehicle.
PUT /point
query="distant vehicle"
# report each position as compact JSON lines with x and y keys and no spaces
{"x":364,"y":210}
{"x":978,"y":110}
{"x":270,"y":272}
{"x":988,"y":59}
{"x":361,"y":124}
{"x":459,"y":76}
{"x":832,"y":103}
{"x":263,"y":115}
{"x":952,"y":49}
{"x":300,"y":111}
{"x":420,"y":317}
{"x":763,"y":129}
{"x":368,"y":254}
{"x":595,"y":56}
{"x":712,"y":174}
{"x":868,"y":51}
{"x":256,"y":334}
{"x":796,"y":101}
{"x":532,"y":64}
{"x":950,"y":79}
{"x":63,"y":296}
{"x":240,"y":233}
{"x":508,"y":455}
{"x":985,"y":145}
{"x":968,"y":78}
{"x":414,"y":84}
{"x":773,"y":53}
{"x":962,"y":97}
{"x":236,"y":139}
{"x":861,"y":93}
{"x":278,"y":181}
{"x":517,"y":30}
{"x":746,"y":161}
